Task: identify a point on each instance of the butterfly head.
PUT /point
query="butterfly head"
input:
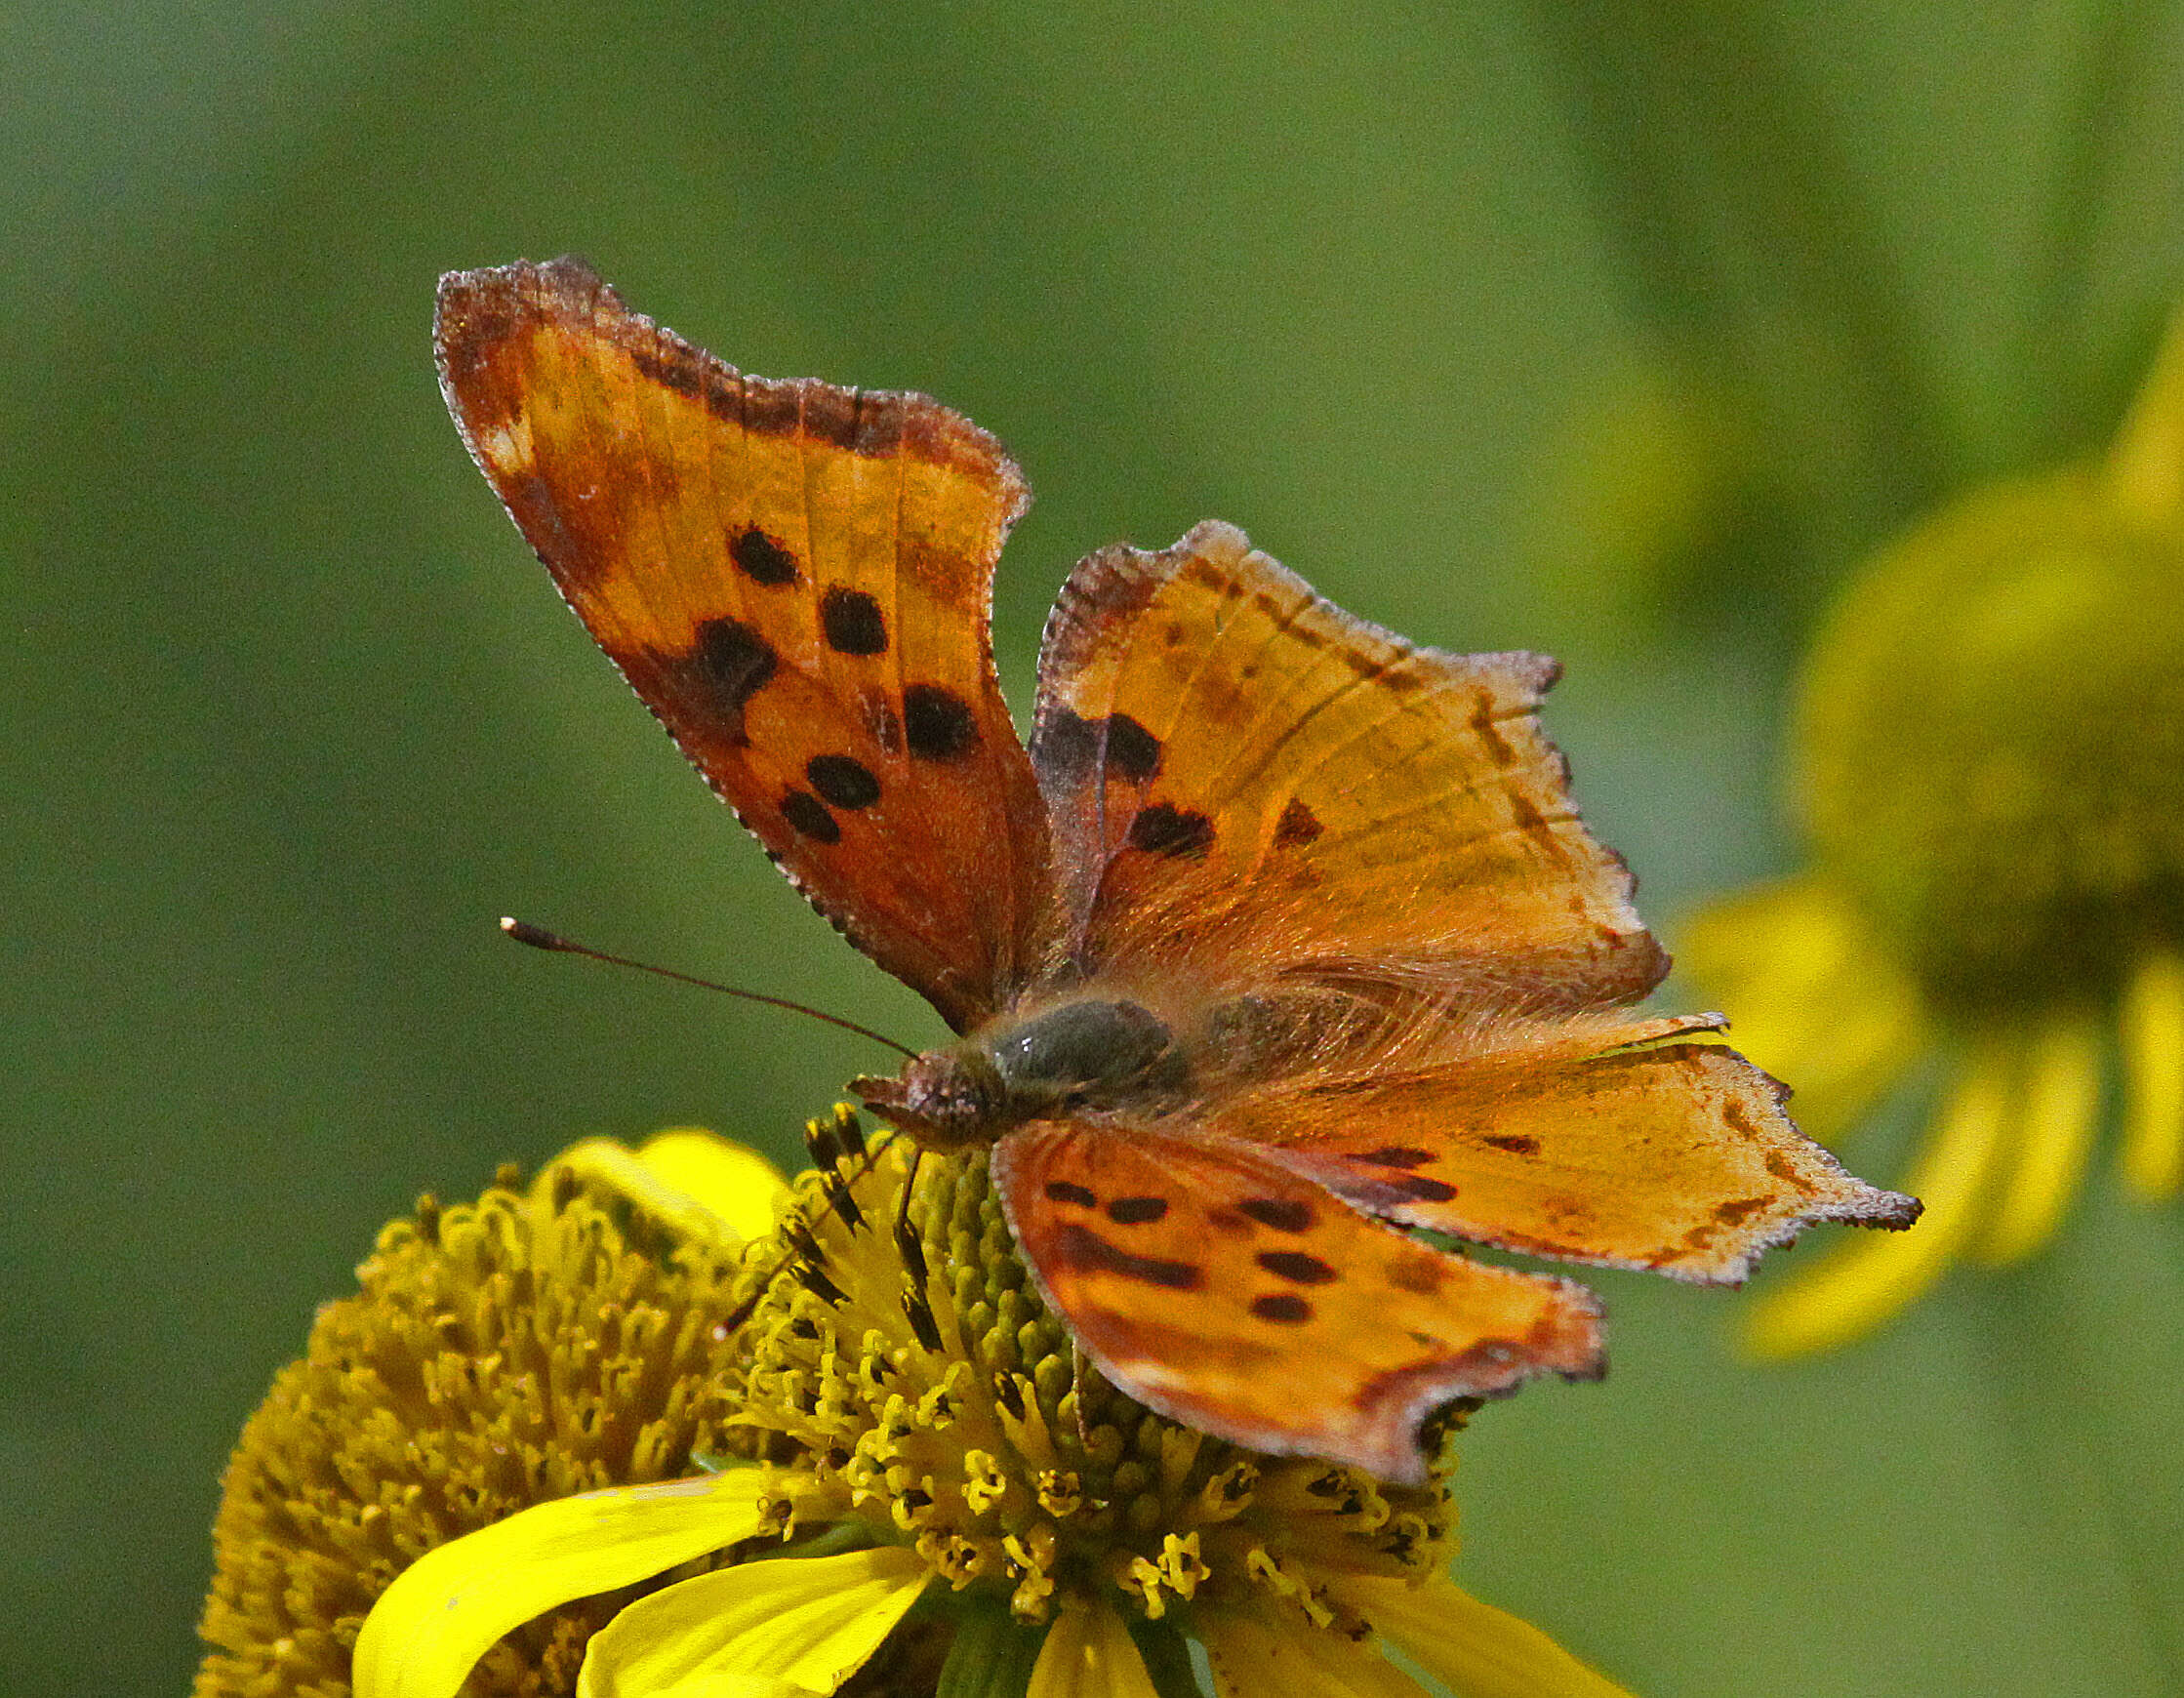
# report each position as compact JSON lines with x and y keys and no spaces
{"x":946,"y":1098}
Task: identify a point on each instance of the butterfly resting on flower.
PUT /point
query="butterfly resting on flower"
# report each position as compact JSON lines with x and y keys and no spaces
{"x":1281,"y":936}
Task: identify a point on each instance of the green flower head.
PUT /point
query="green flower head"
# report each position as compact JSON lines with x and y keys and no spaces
{"x":1991,"y":774}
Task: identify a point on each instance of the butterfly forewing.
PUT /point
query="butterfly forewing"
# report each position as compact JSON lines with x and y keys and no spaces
{"x":1243,"y":776}
{"x":1231,"y":1295}
{"x":796,"y":579}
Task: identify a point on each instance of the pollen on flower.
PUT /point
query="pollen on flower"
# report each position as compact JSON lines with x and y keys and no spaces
{"x":1000,"y":1455}
{"x":1060,"y":1492}
{"x":498,"y":1355}
{"x":911,"y":1410}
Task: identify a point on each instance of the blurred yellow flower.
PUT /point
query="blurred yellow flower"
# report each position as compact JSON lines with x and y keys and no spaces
{"x":909,"y":1482}
{"x":1991,"y":775}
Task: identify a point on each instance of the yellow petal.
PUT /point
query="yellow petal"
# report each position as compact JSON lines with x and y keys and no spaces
{"x":697,"y":1185}
{"x":2050,"y":1133}
{"x":1256,"y":1653}
{"x":1810,"y":996}
{"x":2145,"y":467}
{"x":804,"y":1623}
{"x":430,"y":1627}
{"x":1089,"y":1653}
{"x":2152,"y":1043}
{"x":1853,"y":1291}
{"x":1477,"y":1650}
{"x":735,"y":1181}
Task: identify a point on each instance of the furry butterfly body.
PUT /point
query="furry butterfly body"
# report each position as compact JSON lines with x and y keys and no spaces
{"x":1280,"y":937}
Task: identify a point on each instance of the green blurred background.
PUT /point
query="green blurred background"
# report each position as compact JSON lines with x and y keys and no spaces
{"x":1615,"y":330}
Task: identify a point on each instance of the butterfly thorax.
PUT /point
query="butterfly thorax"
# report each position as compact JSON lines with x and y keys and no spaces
{"x":1087,"y":1053}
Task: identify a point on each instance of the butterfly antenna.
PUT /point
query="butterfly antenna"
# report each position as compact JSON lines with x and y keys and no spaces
{"x":835,"y":1143}
{"x":539,"y":938}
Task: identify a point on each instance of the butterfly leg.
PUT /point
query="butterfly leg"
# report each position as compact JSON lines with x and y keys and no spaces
{"x":918,"y":1305}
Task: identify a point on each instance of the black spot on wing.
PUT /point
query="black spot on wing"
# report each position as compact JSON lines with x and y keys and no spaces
{"x":1297,"y":827}
{"x":1394,"y":1155}
{"x":1132,"y":750}
{"x":843,"y":781}
{"x":1304,"y":1269}
{"x":1165,"y":829}
{"x":1065,"y":746}
{"x":1516,"y":1142}
{"x":853,"y":622}
{"x":763,"y":559}
{"x":936,"y":722}
{"x":809,"y":815}
{"x":1062,"y":1191}
{"x":1285,"y":1308}
{"x":1078,"y":1247}
{"x":1283,"y":1214}
{"x":1422,"y":1188}
{"x":728,"y":665}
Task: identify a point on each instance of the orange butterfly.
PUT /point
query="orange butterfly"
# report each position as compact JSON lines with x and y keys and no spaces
{"x":1280,"y":937}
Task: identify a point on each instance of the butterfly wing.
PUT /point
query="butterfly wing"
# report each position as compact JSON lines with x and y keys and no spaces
{"x":1252,"y":789}
{"x":1237,"y":1297}
{"x":796,"y":579}
{"x":1238,"y":770}
{"x":1672,"y":1157}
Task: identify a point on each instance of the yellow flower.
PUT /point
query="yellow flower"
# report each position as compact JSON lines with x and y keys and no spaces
{"x":913,"y":1481}
{"x":500,"y":1355}
{"x":1991,"y":774}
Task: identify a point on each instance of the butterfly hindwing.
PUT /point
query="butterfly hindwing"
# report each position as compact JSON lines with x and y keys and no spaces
{"x":796,"y":579}
{"x":1231,"y":1295}
{"x":1239,"y":770}
{"x":1671,"y":1157}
